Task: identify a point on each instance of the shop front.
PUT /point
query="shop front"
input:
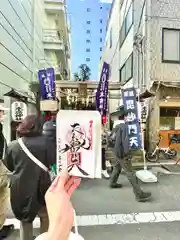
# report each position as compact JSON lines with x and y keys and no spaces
{"x":170,"y":127}
{"x":164,"y":116}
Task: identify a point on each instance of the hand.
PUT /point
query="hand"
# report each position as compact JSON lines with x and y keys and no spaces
{"x":59,"y":207}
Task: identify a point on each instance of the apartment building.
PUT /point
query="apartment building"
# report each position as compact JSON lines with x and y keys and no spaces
{"x":56,"y":38}
{"x":142,"y":49}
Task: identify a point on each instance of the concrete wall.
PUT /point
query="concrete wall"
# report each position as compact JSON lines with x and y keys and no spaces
{"x":164,"y":14}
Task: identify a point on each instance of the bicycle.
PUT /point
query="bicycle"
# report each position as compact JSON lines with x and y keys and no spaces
{"x":155,"y":155}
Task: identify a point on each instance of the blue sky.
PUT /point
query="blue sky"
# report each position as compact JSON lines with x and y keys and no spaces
{"x":88,"y":20}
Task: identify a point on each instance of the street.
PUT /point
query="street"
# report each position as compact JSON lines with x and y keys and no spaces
{"x":105,"y":213}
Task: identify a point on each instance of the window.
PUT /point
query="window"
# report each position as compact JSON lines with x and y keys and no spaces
{"x":171,"y":52}
{"x":100,"y":7}
{"x":88,"y":50}
{"x":100,"y":39}
{"x":88,"y":31}
{"x":126,"y":72}
{"x":129,"y":19}
{"x":88,"y":9}
{"x":100,"y":49}
{"x":88,"y":41}
{"x":110,"y":39}
{"x":127,"y":24}
{"x":101,"y":30}
{"x":101,"y":20}
{"x":122,"y":34}
{"x":88,"y":22}
{"x":88,"y":59}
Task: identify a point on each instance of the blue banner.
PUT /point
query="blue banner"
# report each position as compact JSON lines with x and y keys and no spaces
{"x":130,"y":106}
{"x":102,"y":90}
{"x":47,"y":83}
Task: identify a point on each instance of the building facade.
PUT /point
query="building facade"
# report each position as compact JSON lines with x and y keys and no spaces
{"x":143,"y":51}
{"x":88,"y":30}
{"x":56,"y":38}
{"x":28,"y":42}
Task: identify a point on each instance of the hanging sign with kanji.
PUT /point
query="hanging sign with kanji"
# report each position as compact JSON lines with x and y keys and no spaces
{"x":130,"y":106}
{"x":18,"y":111}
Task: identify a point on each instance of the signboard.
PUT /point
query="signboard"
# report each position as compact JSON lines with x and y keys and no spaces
{"x":78,"y":142}
{"x":18,"y":111}
{"x":130,"y":105}
{"x":49,"y":105}
{"x":102,"y":91}
{"x":144,"y":112}
{"x":47,"y":83}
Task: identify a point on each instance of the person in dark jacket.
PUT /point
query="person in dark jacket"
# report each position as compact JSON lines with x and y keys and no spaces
{"x":49,"y":130}
{"x":29,"y":182}
{"x":123,"y":155}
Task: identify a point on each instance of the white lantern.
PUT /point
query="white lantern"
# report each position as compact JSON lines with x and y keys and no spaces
{"x":18,"y":111}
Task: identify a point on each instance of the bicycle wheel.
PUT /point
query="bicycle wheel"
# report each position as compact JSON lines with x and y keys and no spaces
{"x":171,"y":154}
{"x":152,"y":157}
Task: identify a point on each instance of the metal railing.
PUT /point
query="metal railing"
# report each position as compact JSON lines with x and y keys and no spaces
{"x":56,"y":1}
{"x":52,"y":35}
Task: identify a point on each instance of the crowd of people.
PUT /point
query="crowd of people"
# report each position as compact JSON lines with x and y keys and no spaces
{"x":27,"y":193}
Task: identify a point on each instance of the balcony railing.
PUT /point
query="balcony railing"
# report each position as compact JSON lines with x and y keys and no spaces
{"x":54,"y":6}
{"x":54,"y":1}
{"x":53,"y":35}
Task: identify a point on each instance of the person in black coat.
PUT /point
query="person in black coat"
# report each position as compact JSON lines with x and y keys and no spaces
{"x":29,"y":182}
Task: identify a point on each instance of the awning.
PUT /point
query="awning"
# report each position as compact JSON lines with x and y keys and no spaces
{"x":167,"y":84}
{"x":15,"y":94}
{"x":146,"y":94}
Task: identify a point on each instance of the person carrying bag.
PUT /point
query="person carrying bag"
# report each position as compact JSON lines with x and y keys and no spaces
{"x":29,"y":182}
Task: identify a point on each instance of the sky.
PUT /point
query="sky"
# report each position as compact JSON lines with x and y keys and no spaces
{"x":88,"y":19}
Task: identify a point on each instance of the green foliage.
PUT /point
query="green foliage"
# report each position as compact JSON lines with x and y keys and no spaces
{"x":84,"y":73}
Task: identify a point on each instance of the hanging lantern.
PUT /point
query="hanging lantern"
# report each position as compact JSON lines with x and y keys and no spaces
{"x":18,"y":111}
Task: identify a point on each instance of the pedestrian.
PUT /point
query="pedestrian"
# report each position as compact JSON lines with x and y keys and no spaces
{"x":4,"y":189}
{"x":29,"y":182}
{"x":123,"y":161}
{"x":49,"y":130}
{"x":103,"y":157}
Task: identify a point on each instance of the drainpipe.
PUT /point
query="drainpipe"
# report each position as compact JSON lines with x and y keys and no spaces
{"x":147,"y":49}
{"x":34,"y":41}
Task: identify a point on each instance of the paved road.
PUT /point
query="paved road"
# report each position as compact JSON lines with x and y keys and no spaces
{"x":97,"y":207}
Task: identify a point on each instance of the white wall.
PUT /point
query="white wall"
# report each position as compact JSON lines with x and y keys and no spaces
{"x":111,"y":54}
